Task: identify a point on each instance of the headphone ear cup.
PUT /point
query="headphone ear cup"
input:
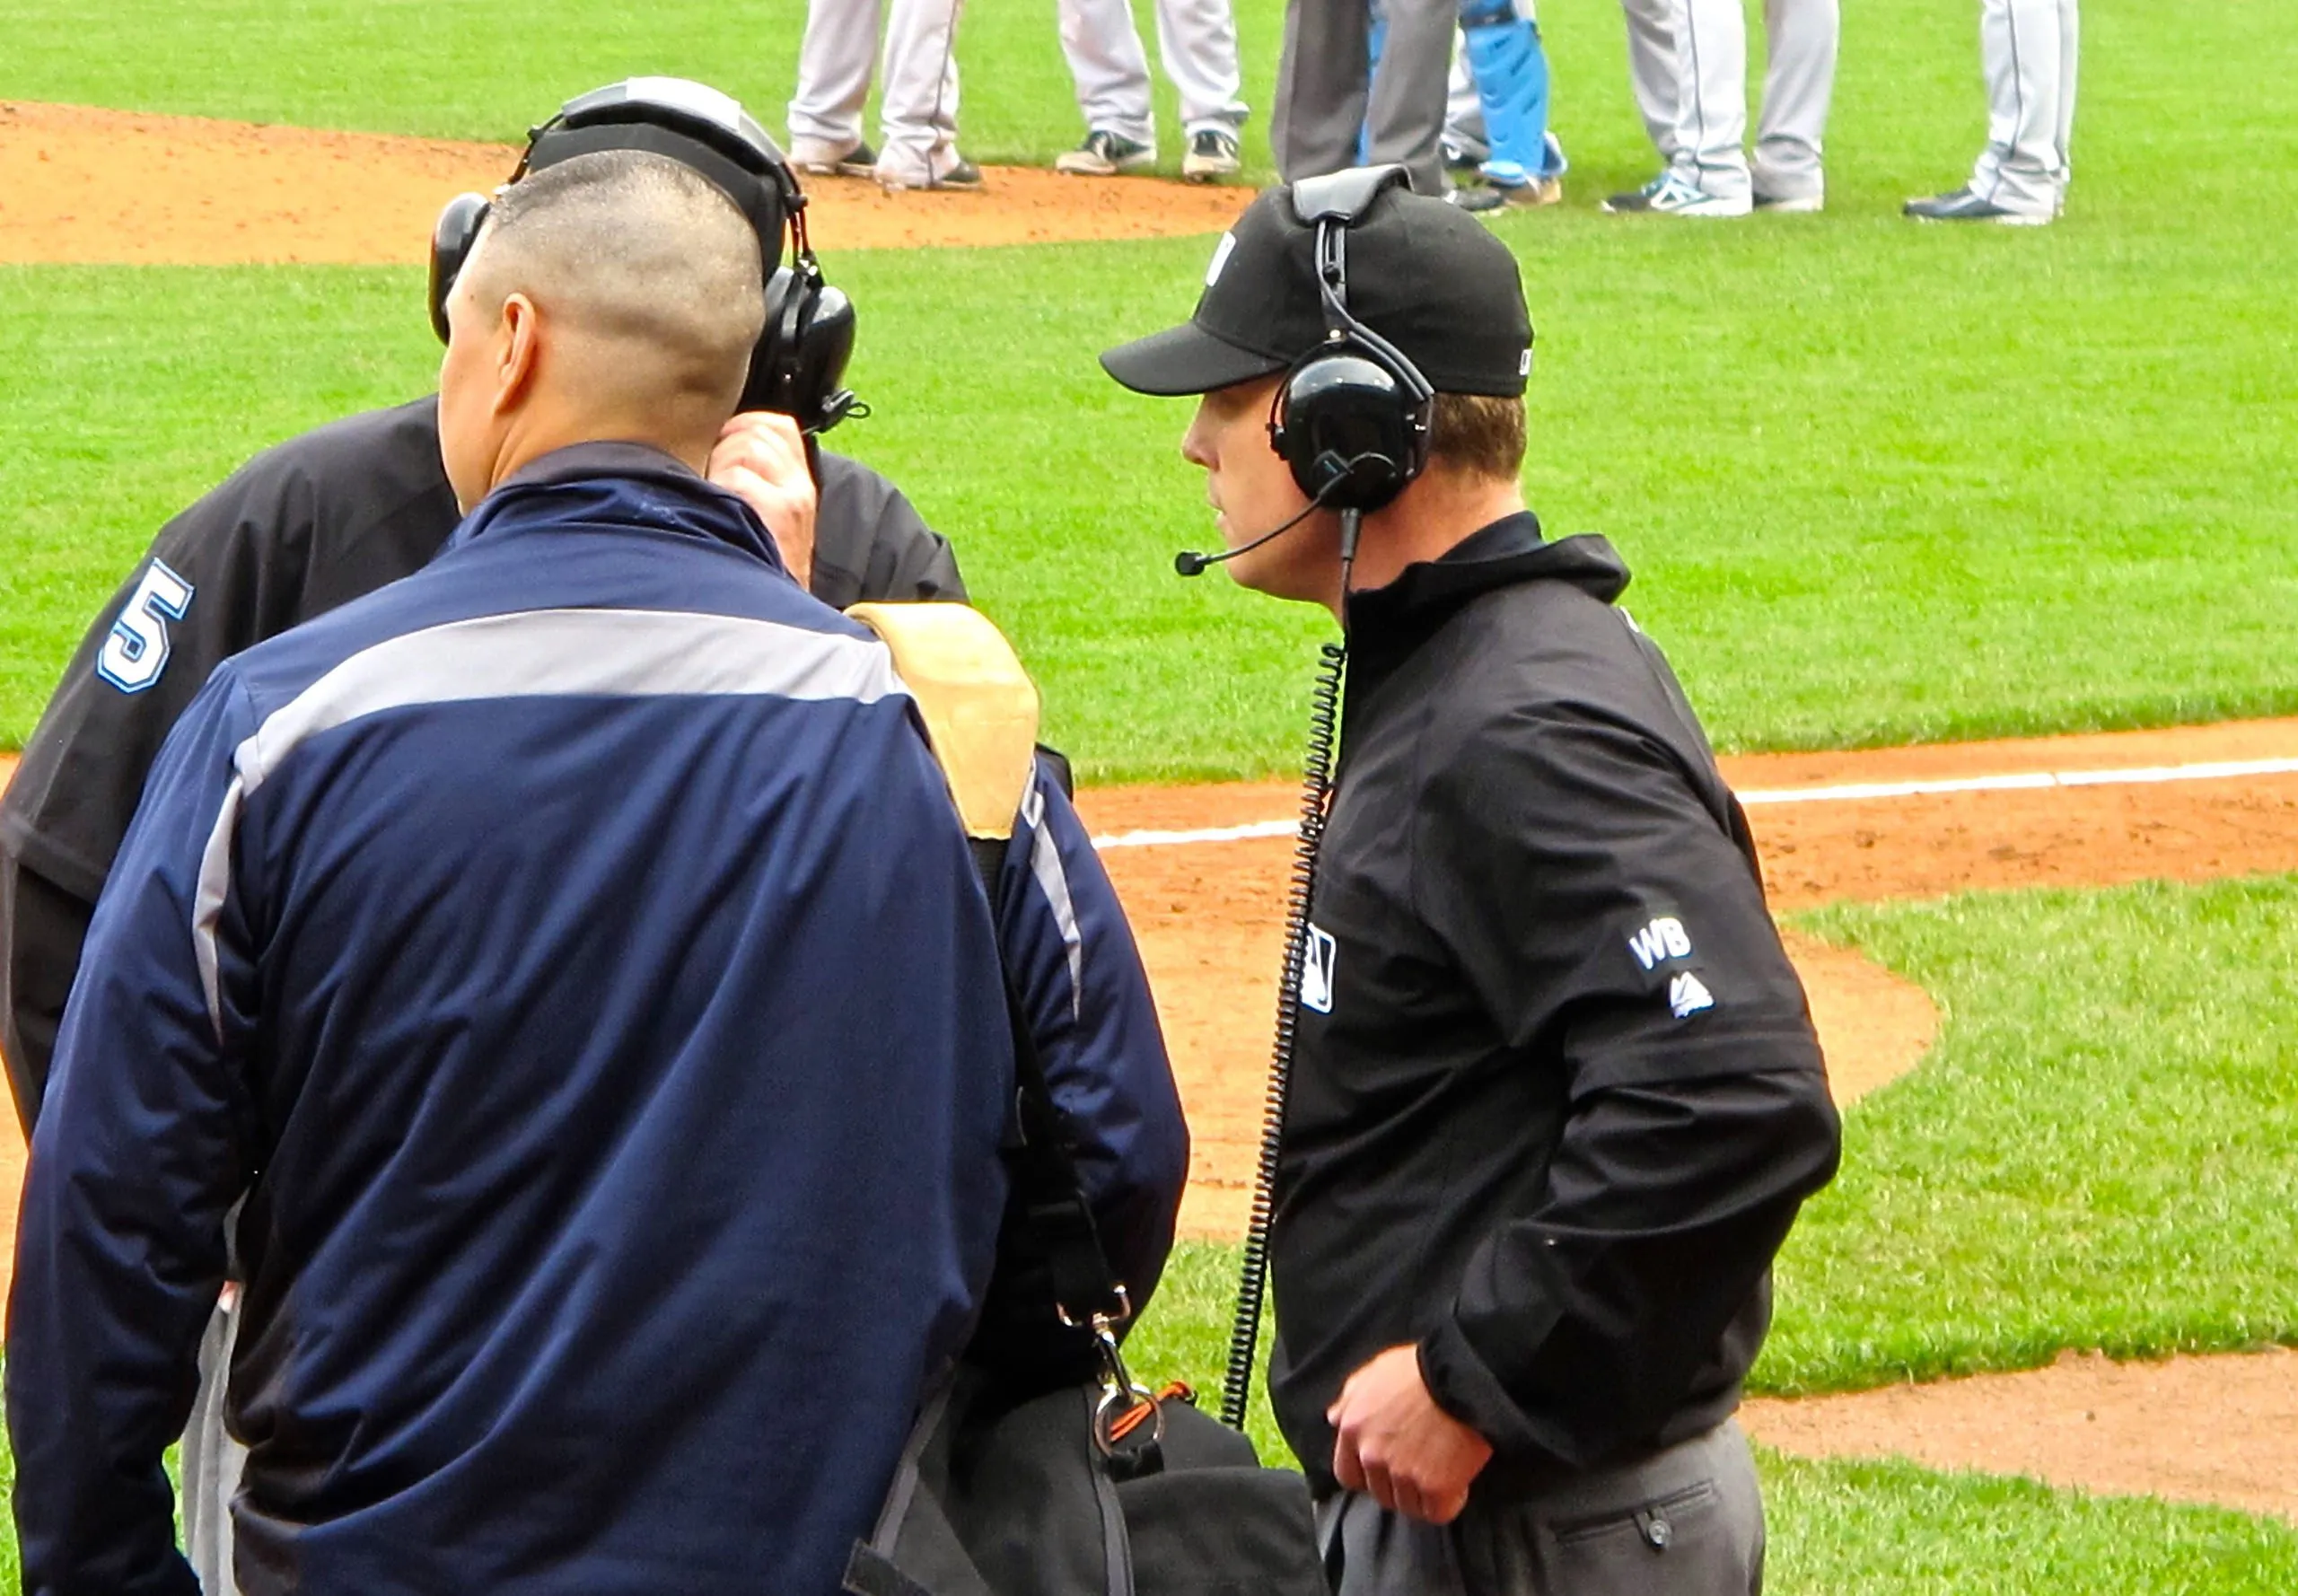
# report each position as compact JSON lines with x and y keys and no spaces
{"x":451,"y":239}
{"x":825,"y":344}
{"x":803,"y":353}
{"x":1350,"y":431}
{"x":771,"y":366}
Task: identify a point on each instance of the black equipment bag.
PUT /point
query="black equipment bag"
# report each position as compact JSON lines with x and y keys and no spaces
{"x":1094,"y":1487}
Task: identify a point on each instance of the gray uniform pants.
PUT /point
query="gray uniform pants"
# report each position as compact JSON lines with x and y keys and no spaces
{"x":2028,"y":48}
{"x":1687,"y":1522}
{"x":918,"y":110}
{"x":1322,"y":102}
{"x":1688,"y":62}
{"x":1197,"y":40}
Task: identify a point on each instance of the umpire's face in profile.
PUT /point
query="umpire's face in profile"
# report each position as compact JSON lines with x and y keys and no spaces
{"x":1252,"y":489}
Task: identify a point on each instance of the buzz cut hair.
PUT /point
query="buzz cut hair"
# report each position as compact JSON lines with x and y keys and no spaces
{"x":652,"y":276}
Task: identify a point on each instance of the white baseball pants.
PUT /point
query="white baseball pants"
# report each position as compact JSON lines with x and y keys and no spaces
{"x":1197,"y":40}
{"x":1709,"y":46}
{"x":1651,"y":69}
{"x":918,"y":112}
{"x":2028,"y":49}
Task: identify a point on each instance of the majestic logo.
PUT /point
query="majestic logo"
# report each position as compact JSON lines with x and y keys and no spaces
{"x":1317,"y":971}
{"x":1661,"y":941}
{"x":1687,"y":994}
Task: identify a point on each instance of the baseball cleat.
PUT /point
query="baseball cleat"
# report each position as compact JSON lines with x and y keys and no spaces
{"x":1790,"y":205}
{"x":1105,"y":154}
{"x":1462,"y":155}
{"x":1964,"y":205}
{"x":1212,"y":155}
{"x":1671,"y":194}
{"x":856,"y":160}
{"x":1476,"y":201}
{"x":964,"y":177}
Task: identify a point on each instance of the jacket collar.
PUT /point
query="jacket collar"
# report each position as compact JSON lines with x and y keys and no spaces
{"x":618,"y":485}
{"x":1387,"y":624}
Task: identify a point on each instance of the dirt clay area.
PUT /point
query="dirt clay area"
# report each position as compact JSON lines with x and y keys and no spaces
{"x":101,"y":187}
{"x":81,"y":185}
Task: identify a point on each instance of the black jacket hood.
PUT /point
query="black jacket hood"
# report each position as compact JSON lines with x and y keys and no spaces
{"x":1387,"y":623}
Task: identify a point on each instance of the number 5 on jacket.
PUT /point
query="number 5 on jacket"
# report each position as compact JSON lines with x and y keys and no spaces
{"x":136,"y":652}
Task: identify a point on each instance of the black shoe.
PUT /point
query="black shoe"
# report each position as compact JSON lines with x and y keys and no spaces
{"x":1964,"y":205}
{"x":1476,"y":201}
{"x":964,"y":175}
{"x":1212,"y":156}
{"x":857,"y":160}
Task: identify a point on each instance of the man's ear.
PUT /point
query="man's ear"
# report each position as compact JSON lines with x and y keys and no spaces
{"x":518,"y":352}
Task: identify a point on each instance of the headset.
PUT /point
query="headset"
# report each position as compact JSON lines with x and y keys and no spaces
{"x":808,"y":336}
{"x":1352,"y":417}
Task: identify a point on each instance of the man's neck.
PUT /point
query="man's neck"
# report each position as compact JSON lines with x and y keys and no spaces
{"x":1435,"y":515}
{"x":547,"y":432}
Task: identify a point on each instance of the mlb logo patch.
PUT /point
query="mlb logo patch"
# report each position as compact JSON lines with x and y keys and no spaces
{"x":1317,"y":971}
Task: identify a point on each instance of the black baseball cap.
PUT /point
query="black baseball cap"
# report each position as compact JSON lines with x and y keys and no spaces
{"x":1425,"y":275}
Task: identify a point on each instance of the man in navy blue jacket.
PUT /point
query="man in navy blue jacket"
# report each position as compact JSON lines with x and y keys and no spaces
{"x":560,"y":979}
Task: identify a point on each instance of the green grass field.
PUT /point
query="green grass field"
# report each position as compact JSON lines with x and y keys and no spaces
{"x":1879,"y":483}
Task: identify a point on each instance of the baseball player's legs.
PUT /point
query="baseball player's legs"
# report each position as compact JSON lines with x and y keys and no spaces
{"x":2070,"y":34}
{"x":1463,"y":110}
{"x":1712,"y":96}
{"x":1320,"y":90}
{"x":834,"y":60}
{"x":1651,"y":70}
{"x":1196,"y":41}
{"x":918,"y":110}
{"x":2024,"y":54}
{"x":1512,"y":77}
{"x":1405,"y":114}
{"x":1108,"y":67}
{"x":1685,"y":1522}
{"x":1798,"y":86}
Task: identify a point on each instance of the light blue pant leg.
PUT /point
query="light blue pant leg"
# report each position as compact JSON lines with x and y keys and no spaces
{"x":1511,"y":80}
{"x":1376,"y":36}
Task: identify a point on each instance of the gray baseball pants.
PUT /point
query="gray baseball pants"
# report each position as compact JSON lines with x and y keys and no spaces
{"x":2028,"y":48}
{"x":1197,"y":40}
{"x":1705,"y":116}
{"x":918,"y":110}
{"x":1686,"y":1521}
{"x":1322,"y":102}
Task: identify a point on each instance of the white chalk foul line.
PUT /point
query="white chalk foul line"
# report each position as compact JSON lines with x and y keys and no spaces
{"x":1849,"y":792}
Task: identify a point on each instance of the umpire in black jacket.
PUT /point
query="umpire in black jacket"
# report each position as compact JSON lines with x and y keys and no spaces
{"x":1556,"y":1097}
{"x":307,"y":525}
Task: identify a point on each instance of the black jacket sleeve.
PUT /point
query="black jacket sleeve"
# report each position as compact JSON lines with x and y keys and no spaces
{"x":1609,"y":923}
{"x":42,"y":928}
{"x":870,"y":543}
{"x":302,"y":528}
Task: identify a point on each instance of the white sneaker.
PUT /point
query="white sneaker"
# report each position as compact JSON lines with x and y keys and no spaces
{"x":1671,"y":194}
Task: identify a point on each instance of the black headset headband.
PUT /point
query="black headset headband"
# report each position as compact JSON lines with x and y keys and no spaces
{"x":1332,"y":205}
{"x":809,"y":331}
{"x":1352,"y":417}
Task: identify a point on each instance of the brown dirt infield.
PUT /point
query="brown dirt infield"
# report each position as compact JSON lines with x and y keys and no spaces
{"x":101,"y":187}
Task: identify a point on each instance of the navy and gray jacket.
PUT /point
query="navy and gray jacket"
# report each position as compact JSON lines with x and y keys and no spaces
{"x":567,"y":963}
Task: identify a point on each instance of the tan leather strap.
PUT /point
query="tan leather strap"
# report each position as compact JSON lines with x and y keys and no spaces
{"x":979,"y":707}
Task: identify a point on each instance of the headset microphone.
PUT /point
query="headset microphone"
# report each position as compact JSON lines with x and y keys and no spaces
{"x":1189,"y":562}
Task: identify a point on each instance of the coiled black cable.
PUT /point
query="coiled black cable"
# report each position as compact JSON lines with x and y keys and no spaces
{"x":1316,"y":792}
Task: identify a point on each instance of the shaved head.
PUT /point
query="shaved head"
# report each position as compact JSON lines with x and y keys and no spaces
{"x":650,"y":278}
